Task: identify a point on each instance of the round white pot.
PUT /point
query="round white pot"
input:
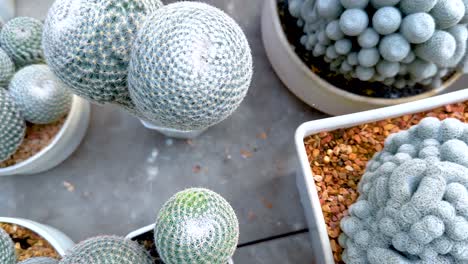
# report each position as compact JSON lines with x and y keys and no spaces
{"x":62,"y":146}
{"x":58,"y":240}
{"x":147,"y":229}
{"x":310,"y":87}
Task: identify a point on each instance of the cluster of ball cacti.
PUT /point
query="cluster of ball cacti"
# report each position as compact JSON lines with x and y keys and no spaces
{"x":7,"y":248}
{"x":196,"y":226}
{"x":400,"y":43}
{"x":413,"y":204}
{"x":187,"y":67}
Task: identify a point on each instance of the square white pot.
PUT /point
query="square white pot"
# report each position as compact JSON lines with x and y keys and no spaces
{"x":305,"y":181}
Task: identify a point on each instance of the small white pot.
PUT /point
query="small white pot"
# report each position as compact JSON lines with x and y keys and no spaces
{"x":58,"y":240}
{"x":7,"y":9}
{"x":305,"y":181}
{"x":170,"y":132}
{"x":147,"y":229}
{"x":310,"y":87}
{"x":62,"y":146}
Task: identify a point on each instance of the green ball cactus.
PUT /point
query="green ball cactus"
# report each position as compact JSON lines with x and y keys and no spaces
{"x":413,"y":204}
{"x":7,"y":68}
{"x":21,"y":38}
{"x":87,"y":45}
{"x":39,"y":95}
{"x":191,"y":66}
{"x":12,"y":126}
{"x":434,"y":31}
{"x":39,"y":260}
{"x":7,"y":247}
{"x":196,"y":226}
{"x":107,"y":250}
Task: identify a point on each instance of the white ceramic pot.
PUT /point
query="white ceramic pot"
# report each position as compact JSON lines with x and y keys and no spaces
{"x":7,"y":9}
{"x":170,"y":132}
{"x":58,"y":240}
{"x":62,"y":146}
{"x":305,"y":181}
{"x":147,"y":229}
{"x":310,"y":87}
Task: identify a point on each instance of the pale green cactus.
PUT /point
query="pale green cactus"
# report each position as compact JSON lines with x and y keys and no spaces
{"x":12,"y":126}
{"x":21,"y":38}
{"x":39,"y":260}
{"x":196,"y":226}
{"x":434,"y":31}
{"x":40,"y":96}
{"x":206,"y":61}
{"x":87,"y":45}
{"x":7,"y":247}
{"x":107,"y":250}
{"x":413,"y":204}
{"x":7,"y":68}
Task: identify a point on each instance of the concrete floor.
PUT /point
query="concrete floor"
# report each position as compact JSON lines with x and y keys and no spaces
{"x":122,"y":173}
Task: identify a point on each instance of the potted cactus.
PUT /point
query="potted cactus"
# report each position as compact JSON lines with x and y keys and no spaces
{"x":177,"y":81}
{"x":42,"y":123}
{"x":27,"y":242}
{"x":349,"y":56}
{"x":396,"y":175}
{"x":194,"y":226}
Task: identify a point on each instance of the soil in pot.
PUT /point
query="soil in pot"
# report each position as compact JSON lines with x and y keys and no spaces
{"x":322,"y":69}
{"x":147,"y":241}
{"x":338,"y":160}
{"x":28,"y":244}
{"x":37,"y":138}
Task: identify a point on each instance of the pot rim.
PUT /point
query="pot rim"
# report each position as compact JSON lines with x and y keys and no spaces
{"x":273,"y":10}
{"x":74,"y":110}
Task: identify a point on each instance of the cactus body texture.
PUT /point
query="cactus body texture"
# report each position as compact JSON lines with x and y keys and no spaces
{"x":196,"y":226}
{"x":7,"y":247}
{"x":39,"y":260}
{"x":87,"y":44}
{"x":191,"y":66}
{"x":433,"y":31}
{"x":21,"y":38}
{"x":12,"y":126}
{"x":40,"y":96}
{"x":413,"y":204}
{"x":7,"y":68}
{"x":107,"y":250}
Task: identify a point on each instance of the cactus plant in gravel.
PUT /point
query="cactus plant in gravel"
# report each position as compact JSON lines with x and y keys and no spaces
{"x":429,"y":31}
{"x":107,"y":250}
{"x":39,"y":260}
{"x":7,"y":248}
{"x":21,"y":38}
{"x":413,"y":204}
{"x":87,"y":45}
{"x":12,"y":126}
{"x":196,"y":226}
{"x":7,"y":68}
{"x":191,"y":66}
{"x":39,"y":95}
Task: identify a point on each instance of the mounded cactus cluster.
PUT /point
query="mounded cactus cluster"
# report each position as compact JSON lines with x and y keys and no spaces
{"x":191,"y":66}
{"x":196,"y":226}
{"x":40,"y":96}
{"x":39,"y":260}
{"x":7,"y":248}
{"x":186,"y":68}
{"x":21,"y":38}
{"x":107,"y":250}
{"x":87,"y":44}
{"x":413,"y":204}
{"x":12,"y":126}
{"x":399,"y":43}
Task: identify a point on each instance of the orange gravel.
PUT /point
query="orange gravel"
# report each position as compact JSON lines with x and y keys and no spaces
{"x":37,"y":138}
{"x":338,"y":160}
